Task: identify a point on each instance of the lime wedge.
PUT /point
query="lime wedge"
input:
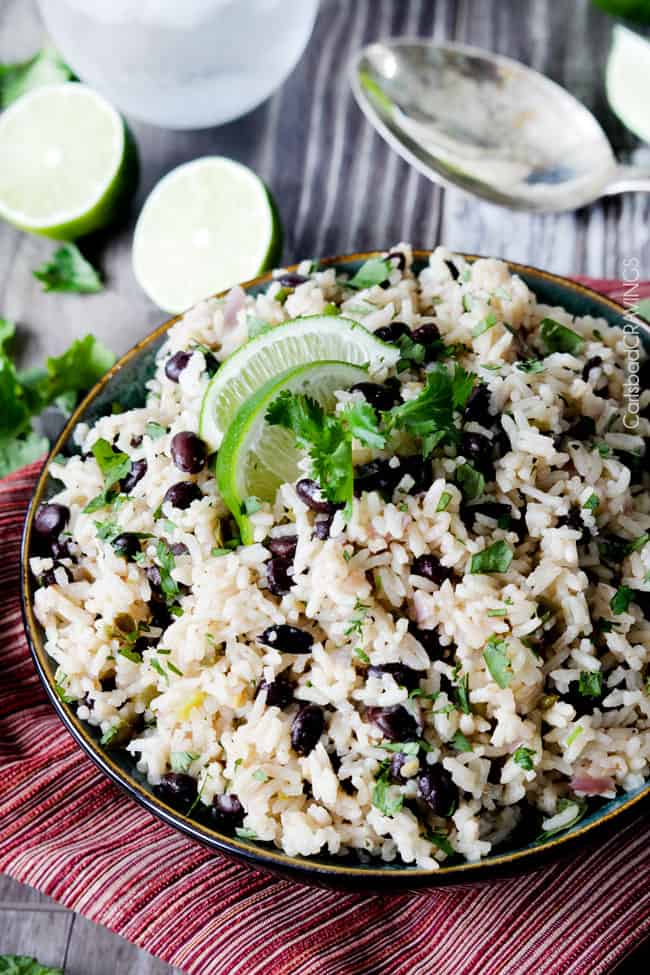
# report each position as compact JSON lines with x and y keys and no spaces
{"x":296,"y":343}
{"x":627,"y":81}
{"x":67,"y":162}
{"x":256,"y":458}
{"x":207,"y":225}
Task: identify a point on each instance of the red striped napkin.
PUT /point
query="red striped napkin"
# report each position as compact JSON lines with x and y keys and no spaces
{"x":67,"y":831}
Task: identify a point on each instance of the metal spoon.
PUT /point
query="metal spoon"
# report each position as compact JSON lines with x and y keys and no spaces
{"x":470,"y":118}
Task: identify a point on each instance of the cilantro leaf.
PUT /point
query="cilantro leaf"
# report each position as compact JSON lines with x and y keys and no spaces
{"x":470,"y":481}
{"x":591,"y":683}
{"x":113,"y":464}
{"x":530,"y":365}
{"x":24,"y":965}
{"x":45,"y":68}
{"x":485,"y":325}
{"x":620,"y":601}
{"x":592,"y":502}
{"x":443,"y":503}
{"x":495,"y":558}
{"x":362,"y":422}
{"x":181,"y":761}
{"x":383,"y":800}
{"x":523,"y":757}
{"x":166,"y":562}
{"x":7,"y":332}
{"x":559,"y":338}
{"x":68,"y":270}
{"x":497,"y":661}
{"x":155,"y":430}
{"x":79,"y":368}
{"x":439,"y":839}
{"x":21,"y":451}
{"x":430,"y":415}
{"x":460,"y":742}
{"x":461,"y":695}
{"x":374,"y":271}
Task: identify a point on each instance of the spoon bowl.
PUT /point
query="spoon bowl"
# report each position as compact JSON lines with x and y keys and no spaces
{"x":484,"y":122}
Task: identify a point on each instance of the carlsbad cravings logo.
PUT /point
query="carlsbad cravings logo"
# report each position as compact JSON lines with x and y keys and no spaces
{"x":632,"y":342}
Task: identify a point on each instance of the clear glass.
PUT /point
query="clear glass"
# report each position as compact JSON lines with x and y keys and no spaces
{"x":181,"y":64}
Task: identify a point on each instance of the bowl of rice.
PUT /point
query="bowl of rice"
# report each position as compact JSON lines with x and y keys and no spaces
{"x":346,"y":572}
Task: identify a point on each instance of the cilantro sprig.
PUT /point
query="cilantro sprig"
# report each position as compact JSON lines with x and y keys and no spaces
{"x":114,"y":465}
{"x":68,"y":270}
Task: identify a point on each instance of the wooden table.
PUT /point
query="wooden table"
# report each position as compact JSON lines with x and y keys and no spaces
{"x":339,"y":188}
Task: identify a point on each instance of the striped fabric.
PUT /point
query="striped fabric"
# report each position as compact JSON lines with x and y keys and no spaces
{"x":67,"y":831}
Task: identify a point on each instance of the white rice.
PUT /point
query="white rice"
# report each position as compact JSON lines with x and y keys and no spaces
{"x":208,"y":710}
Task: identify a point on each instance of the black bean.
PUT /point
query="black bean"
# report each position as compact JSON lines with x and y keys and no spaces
{"x":582,"y":429}
{"x":402,"y":675}
{"x":398,"y":760}
{"x":581,"y":703}
{"x":182,"y":494}
{"x":188,"y":452}
{"x":306,"y":728}
{"x":227,"y":811}
{"x":322,"y":527}
{"x":310,"y":494}
{"x":107,"y":683}
{"x":590,"y":364}
{"x":574,"y":521}
{"x":175,"y":365}
{"x":603,"y":392}
{"x":426,"y":334}
{"x":490,"y":509}
{"x":477,"y":407}
{"x":501,"y":444}
{"x":49,"y":522}
{"x":60,"y":549}
{"x":179,"y":548}
{"x":436,"y":787}
{"x":177,"y":788}
{"x":382,"y":476}
{"x":136,"y":441}
{"x":211,"y":363}
{"x":277,"y":576}
{"x":283,"y":546}
{"x":144,"y":642}
{"x":430,"y":641}
{"x":160,"y":613}
{"x":429,"y":567}
{"x":477,"y":449}
{"x":382,"y":398}
{"x":152,"y":573}
{"x":398,"y":259}
{"x":288,"y":639}
{"x":496,"y":765}
{"x":126,"y":545}
{"x":453,"y":270}
{"x":137,"y":472}
{"x":395,"y":723}
{"x":291,"y":279}
{"x":392,"y":333}
{"x":279,"y":691}
{"x":49,"y":579}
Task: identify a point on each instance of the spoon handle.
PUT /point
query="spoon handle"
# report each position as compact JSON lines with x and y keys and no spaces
{"x":629,"y":179}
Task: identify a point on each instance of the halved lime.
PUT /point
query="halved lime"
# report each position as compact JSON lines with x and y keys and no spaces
{"x":255,"y":457}
{"x":295,"y":343}
{"x":67,"y":162}
{"x":205,"y":226}
{"x":627,"y":81}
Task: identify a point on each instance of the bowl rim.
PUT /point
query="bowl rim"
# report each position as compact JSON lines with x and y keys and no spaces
{"x":299,"y":868}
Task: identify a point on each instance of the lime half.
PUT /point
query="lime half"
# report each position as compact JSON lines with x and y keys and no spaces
{"x":206,"y":226}
{"x":296,"y":343}
{"x":255,"y":457}
{"x":627,"y":80}
{"x":67,"y":162}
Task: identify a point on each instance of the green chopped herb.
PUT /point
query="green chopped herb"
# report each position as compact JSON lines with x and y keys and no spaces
{"x":470,"y":481}
{"x":181,"y":761}
{"x":158,"y":667}
{"x":498,"y":612}
{"x":530,"y":365}
{"x":68,"y":270}
{"x":523,"y":757}
{"x":362,"y":422}
{"x":219,"y":551}
{"x":559,"y":338}
{"x":173,"y":668}
{"x":245,"y":834}
{"x":591,"y":683}
{"x":443,"y":503}
{"x":603,"y":449}
{"x":166,"y":562}
{"x":439,"y":839}
{"x":575,"y":734}
{"x":430,"y":415}
{"x":62,"y":694}
{"x":460,"y":742}
{"x":547,"y":701}
{"x":155,"y":430}
{"x":130,"y":654}
{"x":362,"y":655}
{"x":24,"y":964}
{"x":375,"y":271}
{"x":467,"y":302}
{"x":383,"y":799}
{"x":563,"y":804}
{"x":260,"y":775}
{"x":251,"y":505}
{"x":402,"y":747}
{"x":638,"y":543}
{"x":620,"y":601}
{"x":485,"y":325}
{"x":282,"y":294}
{"x":495,"y":558}
{"x":347,"y":555}
{"x":112,"y":734}
{"x":330,"y":309}
{"x":497,"y":661}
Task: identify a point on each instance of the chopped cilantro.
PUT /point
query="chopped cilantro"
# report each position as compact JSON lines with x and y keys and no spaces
{"x":362,"y":422}
{"x":498,"y":612}
{"x":439,"y":839}
{"x":155,"y":430}
{"x":497,"y":661}
{"x":68,"y":270}
{"x":383,"y":799}
{"x":591,"y":683}
{"x":524,"y":758}
{"x":470,"y":481}
{"x":485,"y":325}
{"x":430,"y":415}
{"x":530,"y":365}
{"x":282,"y":294}
{"x":460,"y":742}
{"x":245,"y":834}
{"x":251,"y":505}
{"x":220,"y":551}
{"x":61,"y":692}
{"x":375,"y":271}
{"x":24,"y":964}
{"x":181,"y":761}
{"x":402,"y":747}
{"x":620,"y":601}
{"x":112,"y":734}
{"x":362,"y":655}
{"x":638,"y":543}
{"x":461,"y":695}
{"x":260,"y":775}
{"x":495,"y":558}
{"x":443,"y":503}
{"x":592,"y":502}
{"x":559,"y":338}
{"x":166,"y":562}
{"x":575,"y":734}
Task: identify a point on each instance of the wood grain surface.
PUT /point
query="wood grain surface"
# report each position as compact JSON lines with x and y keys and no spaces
{"x":339,"y":188}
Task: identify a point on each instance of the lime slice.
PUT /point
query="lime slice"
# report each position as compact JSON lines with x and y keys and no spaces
{"x":627,"y":80}
{"x":206,"y":226}
{"x":295,"y":343}
{"x":67,"y":162}
{"x":256,"y":458}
